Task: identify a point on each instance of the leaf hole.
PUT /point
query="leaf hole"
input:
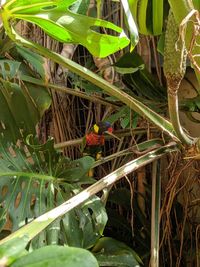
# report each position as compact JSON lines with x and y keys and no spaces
{"x":30,"y":160}
{"x":18,"y":199}
{"x":8,"y":224}
{"x":4,"y":190}
{"x":23,"y":184}
{"x":33,"y":200}
{"x":47,"y":8}
{"x":90,"y":211}
{"x":12,"y":152}
{"x":35,"y":184}
{"x":97,"y":29}
{"x":6,"y":67}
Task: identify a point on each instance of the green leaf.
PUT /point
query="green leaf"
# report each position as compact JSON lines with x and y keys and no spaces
{"x":124,"y":114}
{"x":52,"y":256}
{"x":59,"y":22}
{"x":110,"y":252}
{"x":34,"y":227}
{"x":110,"y":89}
{"x":140,"y":81}
{"x":21,"y":109}
{"x":83,"y":227}
{"x":13,"y":249}
{"x":80,"y":7}
{"x":33,"y":59}
{"x":119,"y":114}
{"x":161,"y":44}
{"x":77,"y":169}
{"x":157,"y":16}
{"x":33,"y":181}
{"x":196,"y":4}
{"x":9,"y":68}
{"x":134,"y":36}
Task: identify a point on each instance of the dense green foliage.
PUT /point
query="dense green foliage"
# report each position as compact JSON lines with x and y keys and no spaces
{"x":37,"y":182}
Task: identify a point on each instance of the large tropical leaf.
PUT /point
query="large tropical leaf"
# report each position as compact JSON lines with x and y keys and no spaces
{"x":110,"y":252}
{"x":35,"y":60}
{"x":22,"y":104}
{"x":58,"y":21}
{"x":13,"y":253}
{"x":33,"y":180}
{"x":83,"y":227}
{"x":21,"y":108}
{"x":51,"y":256}
{"x":12,"y":250}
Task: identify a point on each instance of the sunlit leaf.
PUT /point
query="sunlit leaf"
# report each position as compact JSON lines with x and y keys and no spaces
{"x":58,"y":21}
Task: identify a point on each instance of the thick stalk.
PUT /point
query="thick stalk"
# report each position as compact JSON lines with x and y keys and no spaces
{"x":174,"y":117}
{"x":174,"y":70}
{"x":40,"y":223}
{"x":70,"y":91}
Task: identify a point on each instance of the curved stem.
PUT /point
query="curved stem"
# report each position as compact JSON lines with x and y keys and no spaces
{"x":174,"y":117}
{"x":70,"y":91}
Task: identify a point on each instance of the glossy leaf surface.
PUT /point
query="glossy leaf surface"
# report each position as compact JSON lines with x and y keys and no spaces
{"x":59,"y":22}
{"x":52,"y":256}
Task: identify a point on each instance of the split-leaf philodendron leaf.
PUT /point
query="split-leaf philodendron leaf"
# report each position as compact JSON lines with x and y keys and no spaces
{"x":34,"y":179}
{"x":59,"y":22}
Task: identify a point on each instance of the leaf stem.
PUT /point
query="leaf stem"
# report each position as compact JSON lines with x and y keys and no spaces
{"x":155,"y":213}
{"x":40,"y":223}
{"x":119,"y":133}
{"x":27,"y":174}
{"x":174,"y":116}
{"x":112,"y":90}
{"x":92,"y":98}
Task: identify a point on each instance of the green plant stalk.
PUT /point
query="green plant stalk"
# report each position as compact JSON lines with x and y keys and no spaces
{"x":26,"y":174}
{"x":112,"y":90}
{"x":141,"y":148}
{"x":120,"y":133}
{"x":69,"y":91}
{"x":174,"y":116}
{"x":155,"y":213}
{"x":40,"y":223}
{"x":174,"y":69}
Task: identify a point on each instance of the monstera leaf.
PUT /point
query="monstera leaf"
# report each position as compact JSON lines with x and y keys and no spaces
{"x":59,"y":22}
{"x":57,"y":256}
{"x":110,"y":252}
{"x":22,"y":105}
{"x":32,"y":181}
{"x":83,"y":227}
